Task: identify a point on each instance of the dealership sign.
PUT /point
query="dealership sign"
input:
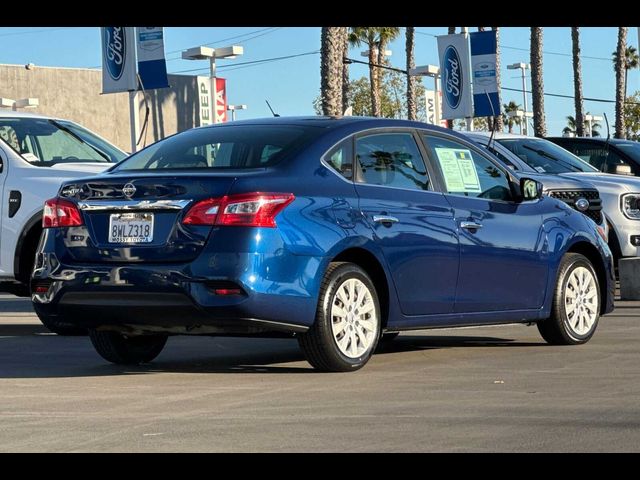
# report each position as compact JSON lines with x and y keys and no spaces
{"x":118,"y":59}
{"x":486,"y":96}
{"x":204,"y":101}
{"x":152,"y":66}
{"x":453,"y":51}
{"x":221,"y":100}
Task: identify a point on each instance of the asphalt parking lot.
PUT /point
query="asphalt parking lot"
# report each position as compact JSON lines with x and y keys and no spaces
{"x":476,"y":389}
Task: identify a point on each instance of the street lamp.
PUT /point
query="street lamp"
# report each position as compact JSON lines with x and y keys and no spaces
{"x":233,"y":108}
{"x":522,"y":115}
{"x":202,"y":53}
{"x":434,"y":72}
{"x":522,"y":67}
{"x":16,"y":104}
{"x":589,"y":119}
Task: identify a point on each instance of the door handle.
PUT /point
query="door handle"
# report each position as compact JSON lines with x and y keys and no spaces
{"x":470,"y":225}
{"x":385,"y":219}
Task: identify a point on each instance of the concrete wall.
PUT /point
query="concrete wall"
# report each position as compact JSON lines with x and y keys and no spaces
{"x":75,"y":94}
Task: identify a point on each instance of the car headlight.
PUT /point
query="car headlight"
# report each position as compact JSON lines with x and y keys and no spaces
{"x":630,"y":205}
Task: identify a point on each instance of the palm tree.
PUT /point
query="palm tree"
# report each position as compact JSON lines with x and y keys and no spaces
{"x":537,"y":84}
{"x":331,"y":52}
{"x":369,"y":37}
{"x":510,"y":121}
{"x":412,"y":112}
{"x":620,"y":68}
{"x":498,"y":119}
{"x":577,"y":83}
{"x":631,"y":60}
{"x":376,"y":39}
{"x":346,"y":94}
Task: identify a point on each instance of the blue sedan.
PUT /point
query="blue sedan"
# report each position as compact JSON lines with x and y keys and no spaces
{"x":340,"y":232}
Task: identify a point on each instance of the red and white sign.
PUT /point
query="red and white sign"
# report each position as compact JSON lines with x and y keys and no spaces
{"x":221,"y":100}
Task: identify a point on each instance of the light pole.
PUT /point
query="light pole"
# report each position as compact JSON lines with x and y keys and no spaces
{"x":233,"y":108}
{"x":202,"y":53}
{"x":432,"y":71}
{"x":589,"y":119}
{"x":522,"y":67}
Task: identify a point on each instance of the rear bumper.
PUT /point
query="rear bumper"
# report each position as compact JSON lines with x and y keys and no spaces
{"x":170,"y":298}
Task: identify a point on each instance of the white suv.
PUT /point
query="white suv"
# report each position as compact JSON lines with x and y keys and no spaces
{"x":37,"y":153}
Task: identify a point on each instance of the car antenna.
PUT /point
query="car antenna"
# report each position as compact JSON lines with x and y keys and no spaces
{"x":272,"y":112}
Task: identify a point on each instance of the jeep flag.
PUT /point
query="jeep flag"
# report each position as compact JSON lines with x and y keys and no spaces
{"x":152,"y":66}
{"x":118,"y":59}
{"x":221,"y":100}
{"x":486,"y":97}
{"x":204,"y":101}
{"x":457,"y":98}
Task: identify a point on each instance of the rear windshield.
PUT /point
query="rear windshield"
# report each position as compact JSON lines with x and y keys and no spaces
{"x":221,"y":147}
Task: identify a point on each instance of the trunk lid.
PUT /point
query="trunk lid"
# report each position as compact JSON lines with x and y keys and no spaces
{"x":120,"y":210}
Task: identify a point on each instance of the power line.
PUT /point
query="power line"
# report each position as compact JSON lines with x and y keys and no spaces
{"x":586,"y":99}
{"x":27,"y":32}
{"x":508,"y":47}
{"x":250,"y":63}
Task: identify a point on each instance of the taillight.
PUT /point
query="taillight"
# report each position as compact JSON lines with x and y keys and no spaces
{"x":247,"y":210}
{"x":59,"y":212}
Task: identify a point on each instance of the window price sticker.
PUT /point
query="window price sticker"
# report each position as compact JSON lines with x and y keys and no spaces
{"x":459,"y":170}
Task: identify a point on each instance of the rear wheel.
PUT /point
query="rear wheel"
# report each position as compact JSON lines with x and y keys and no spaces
{"x":58,"y":325}
{"x":347,"y":326}
{"x":576,"y":303}
{"x":124,"y":350}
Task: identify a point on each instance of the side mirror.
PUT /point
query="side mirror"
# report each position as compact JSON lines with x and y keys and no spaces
{"x":530,"y":189}
{"x":621,"y":169}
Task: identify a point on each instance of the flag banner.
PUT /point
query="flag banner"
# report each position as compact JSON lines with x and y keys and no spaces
{"x":118,"y":59}
{"x":152,"y":66}
{"x":221,"y":100}
{"x":204,"y":101}
{"x":486,"y":97}
{"x":455,"y":66}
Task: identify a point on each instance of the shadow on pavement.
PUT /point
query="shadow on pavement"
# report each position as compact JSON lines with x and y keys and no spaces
{"x":51,"y":356}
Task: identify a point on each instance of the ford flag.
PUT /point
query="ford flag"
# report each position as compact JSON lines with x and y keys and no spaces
{"x":118,"y":59}
{"x":455,"y":78}
{"x":152,"y":66}
{"x":486,"y":97}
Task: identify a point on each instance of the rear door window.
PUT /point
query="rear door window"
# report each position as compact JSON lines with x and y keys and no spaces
{"x":391,"y":160}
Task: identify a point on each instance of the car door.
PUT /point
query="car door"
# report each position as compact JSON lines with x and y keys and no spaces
{"x":412,"y":223}
{"x":502,"y":243}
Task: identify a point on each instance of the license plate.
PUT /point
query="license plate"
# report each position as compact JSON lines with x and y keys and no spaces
{"x":131,"y":228}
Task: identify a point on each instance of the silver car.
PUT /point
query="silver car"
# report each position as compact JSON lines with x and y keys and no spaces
{"x":620,"y":194}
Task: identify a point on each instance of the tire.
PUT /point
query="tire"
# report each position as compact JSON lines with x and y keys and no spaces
{"x":566,"y":326}
{"x":328,"y":346}
{"x":55,"y":324}
{"x":122,"y":350}
{"x":389,"y":337}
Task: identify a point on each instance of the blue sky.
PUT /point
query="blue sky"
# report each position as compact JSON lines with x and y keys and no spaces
{"x":291,"y":85}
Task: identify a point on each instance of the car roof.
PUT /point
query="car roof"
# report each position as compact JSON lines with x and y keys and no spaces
{"x":596,"y":139}
{"x":335,"y":122}
{"x":496,"y":135}
{"x":6,"y":113}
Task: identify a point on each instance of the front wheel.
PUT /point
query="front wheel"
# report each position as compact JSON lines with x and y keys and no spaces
{"x":347,"y":326}
{"x":124,"y":350}
{"x":576,"y":303}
